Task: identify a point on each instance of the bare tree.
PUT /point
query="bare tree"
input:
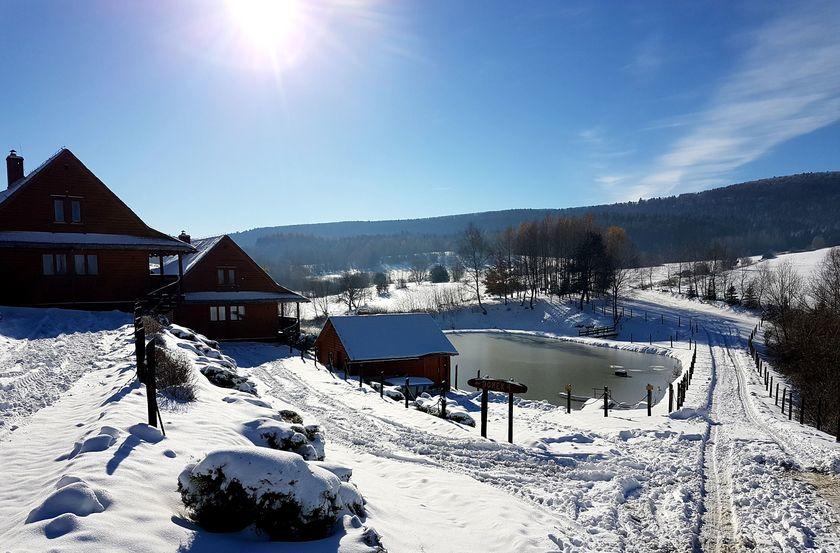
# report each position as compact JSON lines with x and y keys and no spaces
{"x":474,"y":252}
{"x":620,"y":257}
{"x":353,"y":286}
{"x":418,"y":270}
{"x":825,"y":283}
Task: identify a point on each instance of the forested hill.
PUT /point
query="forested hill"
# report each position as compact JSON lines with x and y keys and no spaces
{"x":779,"y":213}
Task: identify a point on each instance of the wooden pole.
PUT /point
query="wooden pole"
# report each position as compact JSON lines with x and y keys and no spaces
{"x":790,"y":406}
{"x":456,"y":376}
{"x":406,"y":393}
{"x":606,"y":400}
{"x":381,"y":384}
{"x":649,"y":398}
{"x":801,"y":408}
{"x":670,"y":397}
{"x":484,"y":394}
{"x":568,"y":398}
{"x":784,"y":397}
{"x":151,"y":389}
{"x":510,"y":417}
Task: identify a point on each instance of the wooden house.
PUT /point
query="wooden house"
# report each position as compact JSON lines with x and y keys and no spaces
{"x":392,"y":345}
{"x":227,"y":296}
{"x":67,"y":240}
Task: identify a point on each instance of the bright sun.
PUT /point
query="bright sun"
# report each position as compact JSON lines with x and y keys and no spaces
{"x":272,"y":28}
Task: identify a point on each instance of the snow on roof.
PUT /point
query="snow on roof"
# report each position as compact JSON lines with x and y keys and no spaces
{"x":242,"y":296}
{"x":17,"y":185}
{"x":202,"y":246}
{"x":391,"y":336}
{"x":38,"y":239}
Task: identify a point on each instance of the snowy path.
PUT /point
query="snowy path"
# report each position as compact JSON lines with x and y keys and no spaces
{"x":43,"y":352}
{"x":753,"y":497}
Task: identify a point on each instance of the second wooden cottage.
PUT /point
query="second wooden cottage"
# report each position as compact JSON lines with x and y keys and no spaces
{"x":395,"y":345}
{"x":227,"y":296}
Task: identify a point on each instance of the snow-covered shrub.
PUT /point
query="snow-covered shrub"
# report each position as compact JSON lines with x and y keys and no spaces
{"x":226,"y":378}
{"x":392,"y":392}
{"x":290,"y":416}
{"x":276,"y":491}
{"x":305,"y":440}
{"x":454,"y":412}
{"x":174,"y":375}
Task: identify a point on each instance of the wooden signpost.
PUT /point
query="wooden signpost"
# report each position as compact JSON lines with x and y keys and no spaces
{"x":509,"y":387}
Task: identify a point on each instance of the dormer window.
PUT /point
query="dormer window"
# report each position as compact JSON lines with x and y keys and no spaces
{"x":226,"y":276}
{"x":58,"y":210}
{"x":64,"y":206}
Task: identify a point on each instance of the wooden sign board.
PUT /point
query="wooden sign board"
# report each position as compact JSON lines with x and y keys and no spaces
{"x":498,"y":385}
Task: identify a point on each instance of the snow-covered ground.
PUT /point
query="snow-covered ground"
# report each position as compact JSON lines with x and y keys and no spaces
{"x":727,"y":471}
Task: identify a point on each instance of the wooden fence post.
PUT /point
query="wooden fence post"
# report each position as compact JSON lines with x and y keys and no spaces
{"x":801,"y":408}
{"x":606,"y":400}
{"x":151,"y":389}
{"x":790,"y":405}
{"x":456,"y":376}
{"x":406,"y":393}
{"x":670,"y":397}
{"x":784,"y":397}
{"x":776,"y":401}
{"x":484,"y":394}
{"x":649,"y":397}
{"x":381,"y":384}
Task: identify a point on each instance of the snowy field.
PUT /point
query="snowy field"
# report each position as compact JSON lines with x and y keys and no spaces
{"x":726,"y":472}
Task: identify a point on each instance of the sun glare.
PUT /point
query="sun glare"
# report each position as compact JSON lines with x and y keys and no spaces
{"x":271,"y":28}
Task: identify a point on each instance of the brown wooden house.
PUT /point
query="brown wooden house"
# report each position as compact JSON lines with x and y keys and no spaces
{"x":67,"y":240}
{"x":401,"y":344}
{"x":227,"y":296}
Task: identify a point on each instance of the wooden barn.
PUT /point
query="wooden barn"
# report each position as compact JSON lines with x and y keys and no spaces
{"x":396,"y":345}
{"x":227,"y":296}
{"x":67,"y":240}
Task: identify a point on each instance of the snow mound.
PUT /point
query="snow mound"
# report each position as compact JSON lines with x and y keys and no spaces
{"x":277,"y":491}
{"x":205,"y":354}
{"x":391,"y":392}
{"x":454,"y":411}
{"x":343,"y":473}
{"x":307,"y":441}
{"x":75,"y":497}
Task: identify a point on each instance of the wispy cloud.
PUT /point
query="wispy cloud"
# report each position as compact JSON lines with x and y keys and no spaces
{"x":786,"y":85}
{"x":648,"y":57}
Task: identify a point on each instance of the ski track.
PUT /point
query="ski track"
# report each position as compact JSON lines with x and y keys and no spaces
{"x":36,"y":370}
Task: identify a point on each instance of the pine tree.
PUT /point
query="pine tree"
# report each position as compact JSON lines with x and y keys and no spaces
{"x":730,"y":296}
{"x":750,"y":300}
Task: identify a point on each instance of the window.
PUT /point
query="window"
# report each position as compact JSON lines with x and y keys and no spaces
{"x":217,"y":312}
{"x":54,"y":264}
{"x":63,"y":205}
{"x":226,"y":276}
{"x":92,"y":265}
{"x":48,"y":265}
{"x":58,"y":210}
{"x":237,"y":312}
{"x":85,"y":264}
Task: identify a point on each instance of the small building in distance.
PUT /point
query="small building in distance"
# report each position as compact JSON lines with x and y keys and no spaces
{"x":227,"y":296}
{"x":394,"y":345}
{"x":67,"y":240}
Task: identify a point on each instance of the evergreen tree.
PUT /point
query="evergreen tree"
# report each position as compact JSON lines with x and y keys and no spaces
{"x":439,"y":274}
{"x":730,"y":296}
{"x":750,"y":299}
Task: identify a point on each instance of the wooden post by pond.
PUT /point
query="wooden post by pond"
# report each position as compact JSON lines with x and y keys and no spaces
{"x":484,"y":394}
{"x":649,"y":397}
{"x":510,"y":417}
{"x":568,"y":398}
{"x":670,"y":397}
{"x":606,"y":400}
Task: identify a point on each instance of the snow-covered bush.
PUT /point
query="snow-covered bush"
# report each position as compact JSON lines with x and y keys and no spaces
{"x":226,"y":378}
{"x":174,"y":375}
{"x":391,"y":392}
{"x":305,"y":440}
{"x":278,"y":492}
{"x":454,"y":412}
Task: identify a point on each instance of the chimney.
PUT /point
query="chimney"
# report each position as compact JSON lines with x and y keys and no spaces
{"x":14,"y":167}
{"x":184,"y":237}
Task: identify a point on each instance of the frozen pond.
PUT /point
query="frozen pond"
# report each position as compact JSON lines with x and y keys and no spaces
{"x":546,"y":365}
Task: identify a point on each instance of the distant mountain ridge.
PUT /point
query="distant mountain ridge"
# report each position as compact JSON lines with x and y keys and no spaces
{"x":786,"y":212}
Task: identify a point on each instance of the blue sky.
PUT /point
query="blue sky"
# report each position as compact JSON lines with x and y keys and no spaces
{"x":217,"y":117}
